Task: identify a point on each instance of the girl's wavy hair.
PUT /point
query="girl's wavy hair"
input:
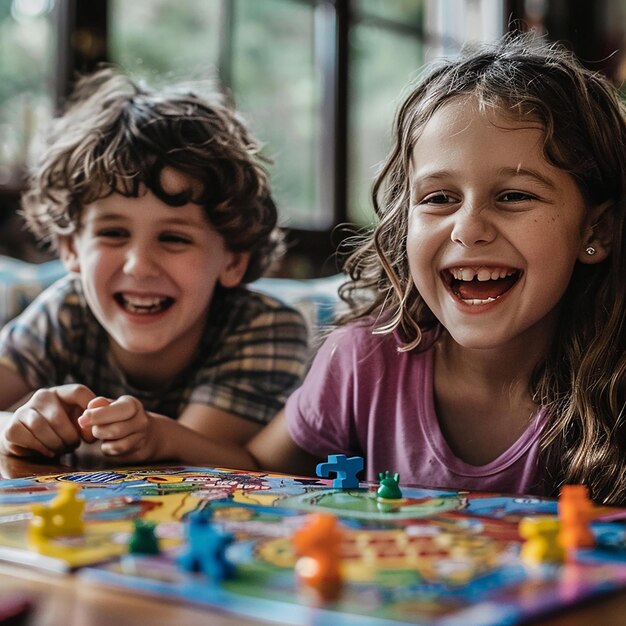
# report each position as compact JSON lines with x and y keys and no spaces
{"x":117,"y":136}
{"x":582,"y":380}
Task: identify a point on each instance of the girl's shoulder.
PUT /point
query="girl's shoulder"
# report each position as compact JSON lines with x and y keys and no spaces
{"x":362,"y":335}
{"x":359,"y":332}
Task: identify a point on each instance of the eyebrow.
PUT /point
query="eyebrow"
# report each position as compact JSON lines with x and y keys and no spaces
{"x":170,"y":221}
{"x":528,"y":172}
{"x":107,"y":217}
{"x":503,"y":171}
{"x":417,"y":181}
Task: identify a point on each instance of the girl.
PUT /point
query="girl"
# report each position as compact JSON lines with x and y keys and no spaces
{"x":486,"y":343}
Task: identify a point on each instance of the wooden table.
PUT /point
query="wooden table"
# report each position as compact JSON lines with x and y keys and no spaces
{"x":63,"y":600}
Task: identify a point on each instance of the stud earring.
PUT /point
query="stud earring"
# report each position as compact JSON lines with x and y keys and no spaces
{"x":590,"y":250}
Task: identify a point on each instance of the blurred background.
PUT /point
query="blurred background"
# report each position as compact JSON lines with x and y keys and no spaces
{"x":318,"y":81}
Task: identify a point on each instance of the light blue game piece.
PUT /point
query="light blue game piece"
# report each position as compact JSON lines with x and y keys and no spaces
{"x":345,"y":468}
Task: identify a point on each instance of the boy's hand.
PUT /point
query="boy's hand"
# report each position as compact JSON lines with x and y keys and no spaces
{"x":47,"y":422}
{"x":123,"y":426}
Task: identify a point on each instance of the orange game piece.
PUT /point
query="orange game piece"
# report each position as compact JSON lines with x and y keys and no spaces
{"x":575,"y":511}
{"x":318,"y":568}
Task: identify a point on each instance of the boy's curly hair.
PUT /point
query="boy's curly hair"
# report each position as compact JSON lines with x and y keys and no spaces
{"x":117,"y":136}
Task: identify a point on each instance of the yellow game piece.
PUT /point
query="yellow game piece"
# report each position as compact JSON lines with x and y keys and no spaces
{"x":62,"y":517}
{"x":542,"y":544}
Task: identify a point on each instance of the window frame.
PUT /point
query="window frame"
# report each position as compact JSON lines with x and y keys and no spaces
{"x":87,"y":23}
{"x":82,"y":28}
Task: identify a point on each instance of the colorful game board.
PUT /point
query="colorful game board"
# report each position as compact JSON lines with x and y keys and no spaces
{"x":434,"y":557}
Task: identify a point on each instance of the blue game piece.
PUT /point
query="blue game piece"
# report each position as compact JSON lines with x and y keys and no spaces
{"x":345,"y":468}
{"x":206,"y":549}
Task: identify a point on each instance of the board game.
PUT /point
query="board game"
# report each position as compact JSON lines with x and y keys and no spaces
{"x":436,"y":558}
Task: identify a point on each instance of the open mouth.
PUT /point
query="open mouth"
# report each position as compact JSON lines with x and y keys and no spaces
{"x":143,"y":305}
{"x":480,"y":285}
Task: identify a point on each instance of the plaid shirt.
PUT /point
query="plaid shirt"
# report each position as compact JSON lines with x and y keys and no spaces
{"x":252,"y":354}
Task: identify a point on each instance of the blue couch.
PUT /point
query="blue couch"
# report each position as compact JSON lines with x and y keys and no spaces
{"x":316,"y":299}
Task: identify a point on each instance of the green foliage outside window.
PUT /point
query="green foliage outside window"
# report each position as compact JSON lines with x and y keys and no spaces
{"x":274,"y":75}
{"x":26,"y":43}
{"x":383,"y":62}
{"x":276,"y":81}
{"x":163,"y":41}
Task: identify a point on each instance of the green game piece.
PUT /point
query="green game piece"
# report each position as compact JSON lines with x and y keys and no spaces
{"x":389,"y":488}
{"x":143,"y":540}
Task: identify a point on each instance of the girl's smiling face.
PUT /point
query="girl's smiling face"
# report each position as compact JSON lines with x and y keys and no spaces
{"x":148,"y":271}
{"x":494,"y":230}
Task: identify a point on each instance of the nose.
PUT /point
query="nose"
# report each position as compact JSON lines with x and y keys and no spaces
{"x":472,"y":227}
{"x":141,"y":261}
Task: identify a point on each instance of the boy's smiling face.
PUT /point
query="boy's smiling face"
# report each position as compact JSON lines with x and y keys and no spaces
{"x":149,"y":271}
{"x":494,"y":230}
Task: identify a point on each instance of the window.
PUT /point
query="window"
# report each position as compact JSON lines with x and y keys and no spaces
{"x":386,"y":52}
{"x":263,"y":54}
{"x":318,"y":80}
{"x":26,"y":45}
{"x":277,"y":84}
{"x":162,"y":41}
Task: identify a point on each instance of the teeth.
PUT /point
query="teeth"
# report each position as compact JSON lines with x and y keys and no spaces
{"x":482,"y":274}
{"x":478,"y":301}
{"x":143,"y":304}
{"x":141,"y":301}
{"x":465,"y":273}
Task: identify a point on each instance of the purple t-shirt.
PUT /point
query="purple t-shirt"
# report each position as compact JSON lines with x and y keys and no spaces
{"x":363,"y":397}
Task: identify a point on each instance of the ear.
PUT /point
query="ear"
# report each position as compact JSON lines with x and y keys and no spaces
{"x":596,"y":244}
{"x":235,"y":268}
{"x":68,"y":254}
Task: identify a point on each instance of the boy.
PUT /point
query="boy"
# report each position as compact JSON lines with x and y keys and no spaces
{"x":159,"y":206}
